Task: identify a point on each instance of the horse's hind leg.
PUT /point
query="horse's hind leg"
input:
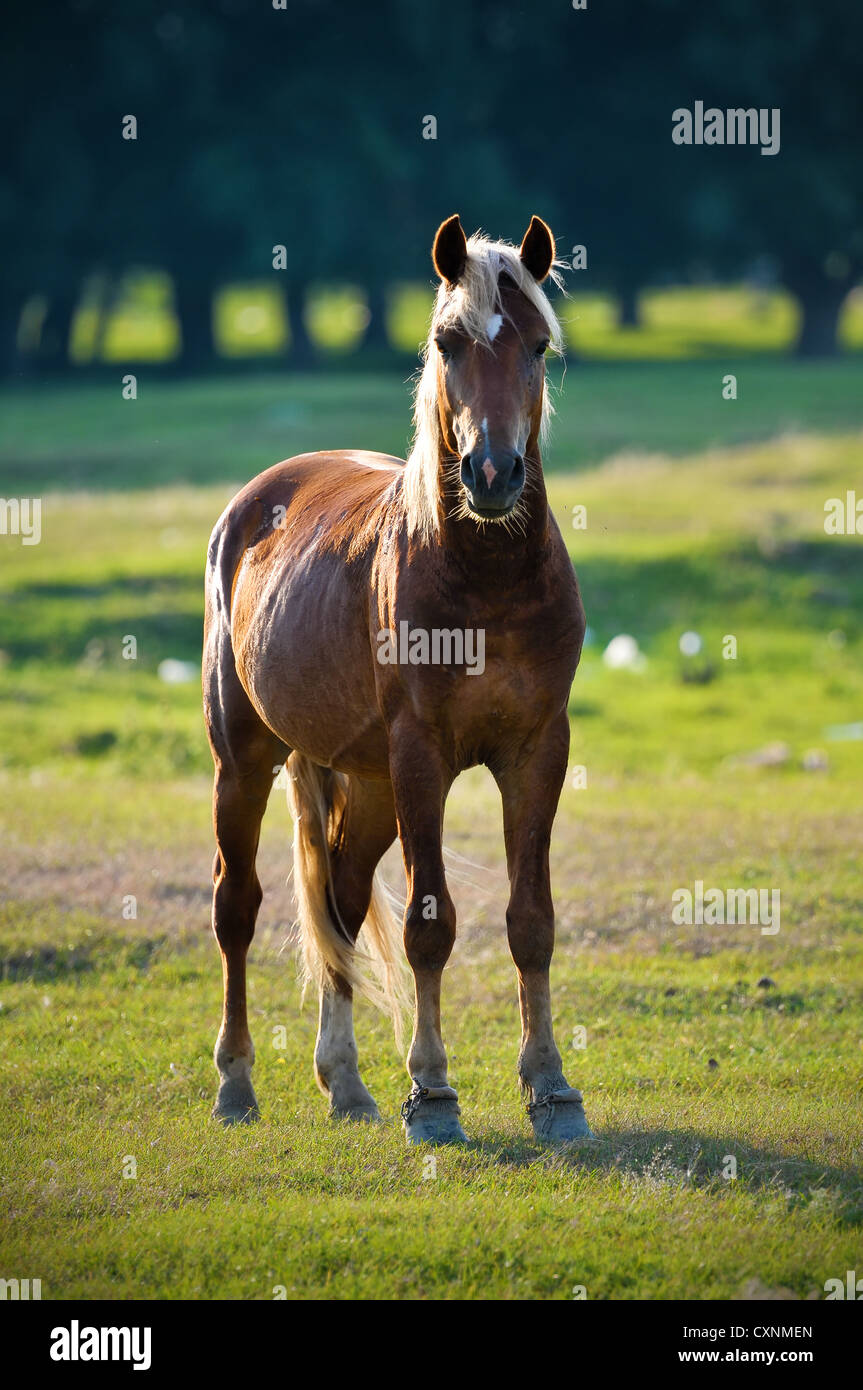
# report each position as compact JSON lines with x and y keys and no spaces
{"x":367,"y":830}
{"x":245,"y":753}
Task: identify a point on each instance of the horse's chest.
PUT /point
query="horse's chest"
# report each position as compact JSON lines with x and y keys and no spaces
{"x":503,"y":702}
{"x":485,"y":711}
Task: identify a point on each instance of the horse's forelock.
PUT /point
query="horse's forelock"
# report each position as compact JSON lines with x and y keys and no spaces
{"x":470,"y":305}
{"x":477,"y":296}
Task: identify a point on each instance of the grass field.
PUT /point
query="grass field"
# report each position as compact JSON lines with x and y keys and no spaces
{"x":701,"y":1045}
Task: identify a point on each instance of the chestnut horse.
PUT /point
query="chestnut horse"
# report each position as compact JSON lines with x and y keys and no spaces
{"x":381,"y":626}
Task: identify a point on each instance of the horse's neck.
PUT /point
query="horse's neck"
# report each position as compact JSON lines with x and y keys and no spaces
{"x":495,"y":544}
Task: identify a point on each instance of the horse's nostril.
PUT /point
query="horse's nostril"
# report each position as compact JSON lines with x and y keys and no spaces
{"x":489,"y":473}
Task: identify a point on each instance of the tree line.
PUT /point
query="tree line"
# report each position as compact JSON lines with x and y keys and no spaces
{"x":345,"y":133}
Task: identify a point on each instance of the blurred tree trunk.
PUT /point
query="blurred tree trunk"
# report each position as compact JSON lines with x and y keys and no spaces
{"x":53,"y":351}
{"x":376,"y":334}
{"x":627,"y":307}
{"x":194,"y":306}
{"x":300,"y":349}
{"x":11,"y":305}
{"x":109,"y":297}
{"x":820,"y":299}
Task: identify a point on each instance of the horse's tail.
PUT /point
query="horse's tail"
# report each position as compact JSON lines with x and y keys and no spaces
{"x":317,"y":797}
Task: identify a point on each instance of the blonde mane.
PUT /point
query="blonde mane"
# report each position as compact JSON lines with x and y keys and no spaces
{"x":470,"y":304}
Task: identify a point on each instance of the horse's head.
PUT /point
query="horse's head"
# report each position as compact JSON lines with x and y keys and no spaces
{"x":490,"y":331}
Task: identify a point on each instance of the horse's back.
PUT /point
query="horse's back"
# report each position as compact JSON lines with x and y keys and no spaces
{"x":288,"y":584}
{"x":336,"y":492}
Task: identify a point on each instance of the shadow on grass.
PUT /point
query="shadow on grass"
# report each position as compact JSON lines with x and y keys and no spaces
{"x":648,"y":597}
{"x":50,"y":964}
{"x":689,"y":1160}
{"x":56,"y":622}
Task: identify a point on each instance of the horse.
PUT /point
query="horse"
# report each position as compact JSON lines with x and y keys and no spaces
{"x":345,"y":593}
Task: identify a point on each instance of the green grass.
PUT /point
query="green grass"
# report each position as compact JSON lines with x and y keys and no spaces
{"x":683,"y":324}
{"x":701,"y":514}
{"x":69,"y":437}
{"x":108,"y":1027}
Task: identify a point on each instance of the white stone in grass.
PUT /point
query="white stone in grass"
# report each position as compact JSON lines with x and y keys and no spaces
{"x":623,"y":654}
{"x":178,"y":672}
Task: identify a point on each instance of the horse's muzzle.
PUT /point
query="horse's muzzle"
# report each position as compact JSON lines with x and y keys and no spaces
{"x":493,"y":482}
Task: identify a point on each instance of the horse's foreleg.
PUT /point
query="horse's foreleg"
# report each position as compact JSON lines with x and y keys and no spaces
{"x":420,"y":784}
{"x":530,"y":792}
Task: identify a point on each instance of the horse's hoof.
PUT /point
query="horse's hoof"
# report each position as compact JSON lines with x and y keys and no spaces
{"x":430,"y":1116}
{"x":357,"y":1114}
{"x":429,"y":1129}
{"x":559,"y":1118}
{"x":236,"y":1103}
{"x":236,"y":1117}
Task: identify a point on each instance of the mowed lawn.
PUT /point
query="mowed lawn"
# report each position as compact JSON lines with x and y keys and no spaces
{"x":722,"y":1066}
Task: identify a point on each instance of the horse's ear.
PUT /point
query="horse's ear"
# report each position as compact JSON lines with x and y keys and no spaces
{"x":449,"y":252}
{"x":537,"y":249}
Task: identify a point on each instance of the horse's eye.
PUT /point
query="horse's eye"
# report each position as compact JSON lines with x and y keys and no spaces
{"x":541,"y":349}
{"x":443,"y":349}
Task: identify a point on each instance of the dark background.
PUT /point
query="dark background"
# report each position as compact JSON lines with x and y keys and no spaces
{"x":302,"y":127}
